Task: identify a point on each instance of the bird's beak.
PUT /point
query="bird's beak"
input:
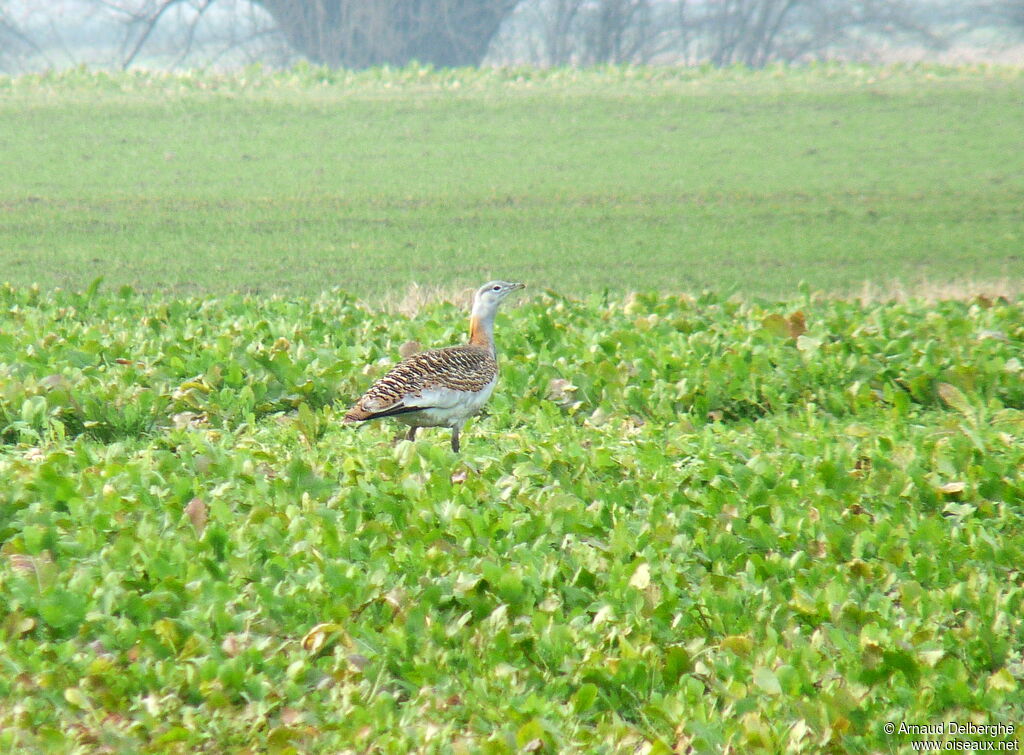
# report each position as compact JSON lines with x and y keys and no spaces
{"x":516,"y":286}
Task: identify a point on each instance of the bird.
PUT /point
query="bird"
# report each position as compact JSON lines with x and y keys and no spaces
{"x":441,"y":387}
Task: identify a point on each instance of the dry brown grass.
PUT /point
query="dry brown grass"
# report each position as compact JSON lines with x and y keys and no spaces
{"x":871,"y":292}
{"x":415,"y":297}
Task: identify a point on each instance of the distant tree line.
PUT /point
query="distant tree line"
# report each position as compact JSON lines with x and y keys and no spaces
{"x":445,"y":33}
{"x":720,"y":32}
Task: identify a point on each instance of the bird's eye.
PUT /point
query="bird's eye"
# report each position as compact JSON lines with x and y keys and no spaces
{"x":496,"y":288}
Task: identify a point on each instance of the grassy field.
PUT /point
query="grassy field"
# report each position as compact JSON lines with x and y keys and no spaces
{"x":683,"y":524}
{"x":672,"y":180}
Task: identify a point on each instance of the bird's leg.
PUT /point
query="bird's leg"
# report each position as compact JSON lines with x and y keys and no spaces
{"x":455,"y":439}
{"x":404,"y":436}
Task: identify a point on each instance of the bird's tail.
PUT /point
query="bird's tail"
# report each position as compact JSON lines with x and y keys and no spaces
{"x":358,"y":414}
{"x":355,"y":414}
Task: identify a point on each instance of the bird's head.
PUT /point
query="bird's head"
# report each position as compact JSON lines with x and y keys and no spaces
{"x":490,"y":295}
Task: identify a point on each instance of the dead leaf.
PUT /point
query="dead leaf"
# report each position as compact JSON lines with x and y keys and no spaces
{"x":321,"y":636}
{"x":641,"y":577}
{"x":23,"y":625}
{"x":53,"y":381}
{"x":797,"y":324}
{"x":409,"y":348}
{"x":632,"y":304}
{"x":561,"y":391}
{"x":995,"y":335}
{"x":459,"y":476}
{"x":21,"y":562}
{"x":396,"y":598}
{"x":25,"y":563}
{"x":861,"y":467}
{"x":952,"y":488}
{"x":186,"y":420}
{"x":197,"y":512}
{"x":231,"y":645}
{"x":290,"y":716}
{"x":357,"y":661}
{"x":953,"y":397}
{"x":34,"y":454}
{"x":684,"y":744}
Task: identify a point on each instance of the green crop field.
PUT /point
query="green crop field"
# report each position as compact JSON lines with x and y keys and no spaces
{"x":675,"y":180}
{"x":730,"y":513}
{"x":683,"y":523}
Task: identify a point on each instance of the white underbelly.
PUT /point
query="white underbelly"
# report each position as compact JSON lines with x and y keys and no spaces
{"x":448,"y":408}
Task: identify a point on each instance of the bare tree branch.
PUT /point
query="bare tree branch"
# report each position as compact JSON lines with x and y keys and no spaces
{"x":362,"y":33}
{"x":13,"y":40}
{"x":148,"y":22}
{"x":190,"y":31}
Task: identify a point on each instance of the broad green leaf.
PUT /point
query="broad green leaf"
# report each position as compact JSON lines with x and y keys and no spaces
{"x":62,"y":609}
{"x":584,"y":698}
{"x":1002,"y":681}
{"x":766,"y":680}
{"x":776,"y":325}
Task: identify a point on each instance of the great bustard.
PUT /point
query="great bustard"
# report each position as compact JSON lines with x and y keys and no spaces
{"x":442,"y":387}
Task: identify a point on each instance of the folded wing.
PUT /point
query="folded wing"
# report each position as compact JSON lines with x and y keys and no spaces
{"x":436,"y":379}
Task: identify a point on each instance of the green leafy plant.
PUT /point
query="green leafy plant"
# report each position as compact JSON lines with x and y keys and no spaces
{"x":684,"y":523}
